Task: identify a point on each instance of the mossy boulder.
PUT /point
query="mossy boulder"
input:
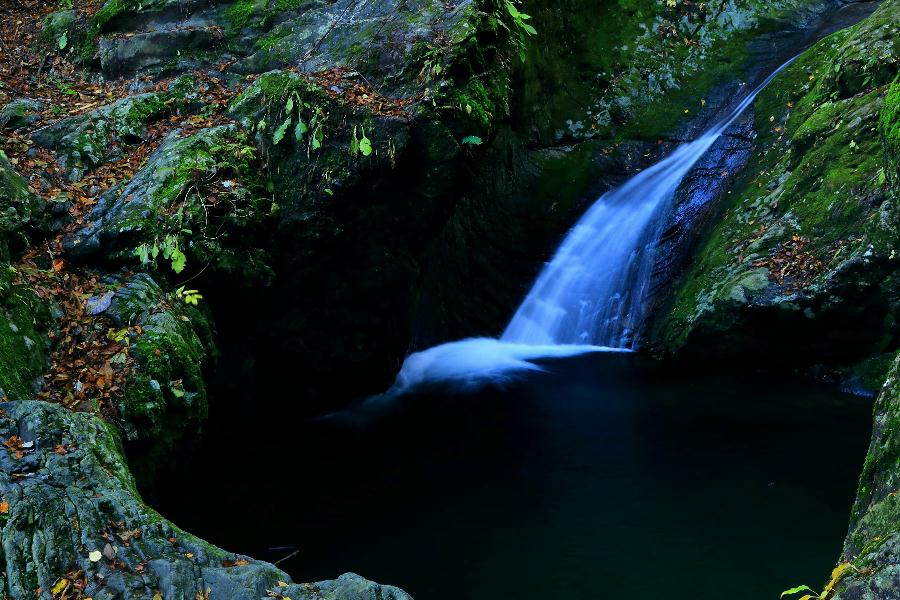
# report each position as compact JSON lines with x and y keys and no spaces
{"x":873,"y":542}
{"x":890,"y":131}
{"x":86,"y":141}
{"x":808,"y":237}
{"x":21,"y":112}
{"x":163,"y":405}
{"x":23,"y":214}
{"x":74,"y":507}
{"x":195,"y":202}
{"x":24,"y":322}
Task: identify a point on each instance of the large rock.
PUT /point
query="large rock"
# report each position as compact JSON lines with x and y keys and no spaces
{"x":22,"y":213}
{"x":195,"y":202}
{"x":93,"y":138}
{"x":24,"y":320}
{"x":801,"y":267}
{"x":21,"y":112}
{"x":163,"y":403}
{"x":75,"y":522}
{"x":873,"y":543}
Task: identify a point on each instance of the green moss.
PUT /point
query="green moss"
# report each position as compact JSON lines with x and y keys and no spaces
{"x":477,"y":101}
{"x":23,"y":323}
{"x":816,"y":175}
{"x":876,"y":512}
{"x":241,"y":12}
{"x":890,"y":131}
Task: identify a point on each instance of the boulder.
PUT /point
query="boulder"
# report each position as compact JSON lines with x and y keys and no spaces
{"x":75,"y":520}
{"x":23,"y":214}
{"x":83,"y":142}
{"x":872,"y":546}
{"x":21,"y":112}
{"x":804,"y":249}
{"x":24,"y":322}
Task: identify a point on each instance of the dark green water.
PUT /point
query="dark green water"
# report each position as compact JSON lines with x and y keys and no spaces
{"x":600,"y":479}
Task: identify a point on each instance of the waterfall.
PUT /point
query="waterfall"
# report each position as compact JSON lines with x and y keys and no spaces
{"x":593,"y":289}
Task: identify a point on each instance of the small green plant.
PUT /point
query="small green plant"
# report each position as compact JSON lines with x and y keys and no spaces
{"x":294,"y":109}
{"x":65,"y":88}
{"x":839,"y":572}
{"x":169,"y":247}
{"x":191,"y":297}
{"x":472,"y":140}
{"x":360,"y":145}
{"x":519,"y":18}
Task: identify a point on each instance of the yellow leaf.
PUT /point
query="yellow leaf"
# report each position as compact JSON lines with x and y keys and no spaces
{"x":95,"y":556}
{"x":157,"y":596}
{"x":60,"y":586}
{"x":282,"y":584}
{"x":836,"y":575}
{"x":807,"y":597}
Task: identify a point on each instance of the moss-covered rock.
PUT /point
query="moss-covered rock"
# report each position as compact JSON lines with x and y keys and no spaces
{"x":196,"y":202}
{"x":73,"y":506}
{"x":164,"y":404}
{"x":807,"y":237}
{"x":21,"y":112}
{"x":24,"y":322}
{"x":22,"y":213}
{"x":890,"y":131}
{"x":85,"y":141}
{"x":874,"y":539}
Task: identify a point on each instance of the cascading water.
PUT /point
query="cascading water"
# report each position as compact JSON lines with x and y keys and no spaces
{"x":593,"y":289}
{"x":588,"y":296}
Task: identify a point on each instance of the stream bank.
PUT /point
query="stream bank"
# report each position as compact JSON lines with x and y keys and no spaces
{"x":317,"y":254}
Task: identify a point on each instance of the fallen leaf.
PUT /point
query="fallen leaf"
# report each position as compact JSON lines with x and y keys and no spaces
{"x":95,"y":556}
{"x":60,"y":586}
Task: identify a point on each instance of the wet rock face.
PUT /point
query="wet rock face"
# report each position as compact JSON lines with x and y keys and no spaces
{"x":804,"y":247}
{"x":873,"y":543}
{"x":76,"y":519}
{"x":373,"y":38}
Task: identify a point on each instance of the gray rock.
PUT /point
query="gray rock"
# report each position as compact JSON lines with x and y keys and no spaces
{"x":22,"y":112}
{"x":22,"y":213}
{"x":126,"y":217}
{"x":153,"y":51}
{"x":89,"y":140}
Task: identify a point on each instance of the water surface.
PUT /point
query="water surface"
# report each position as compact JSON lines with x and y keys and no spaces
{"x":600,"y":478}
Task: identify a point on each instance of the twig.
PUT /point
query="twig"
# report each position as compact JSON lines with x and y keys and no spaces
{"x":291,"y":555}
{"x":41,"y":67}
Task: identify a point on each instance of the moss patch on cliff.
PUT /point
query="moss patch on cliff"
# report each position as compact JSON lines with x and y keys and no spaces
{"x":23,"y":323}
{"x":876,"y":513}
{"x":890,"y":130}
{"x":809,"y":201}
